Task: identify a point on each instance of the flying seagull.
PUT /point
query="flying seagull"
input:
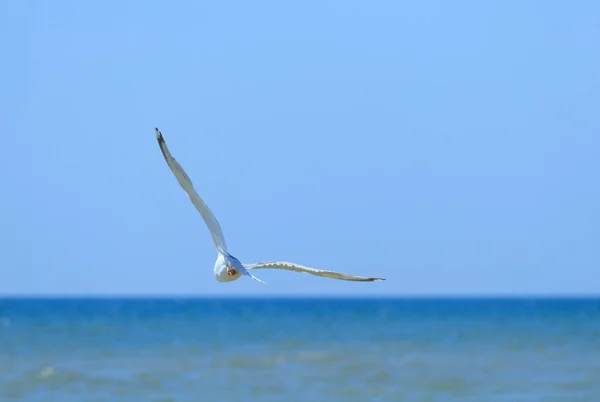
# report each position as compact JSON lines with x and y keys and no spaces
{"x":227,"y":267}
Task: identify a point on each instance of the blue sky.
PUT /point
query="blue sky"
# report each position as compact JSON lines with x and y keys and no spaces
{"x":451,"y":147}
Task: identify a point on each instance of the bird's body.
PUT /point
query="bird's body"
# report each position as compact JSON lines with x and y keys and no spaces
{"x":228,"y":268}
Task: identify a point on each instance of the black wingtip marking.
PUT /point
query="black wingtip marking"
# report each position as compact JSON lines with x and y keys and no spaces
{"x":161,"y":143}
{"x":159,"y":135}
{"x":366,"y":279}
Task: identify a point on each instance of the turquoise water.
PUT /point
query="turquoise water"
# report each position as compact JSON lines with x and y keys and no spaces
{"x":300,"y":350}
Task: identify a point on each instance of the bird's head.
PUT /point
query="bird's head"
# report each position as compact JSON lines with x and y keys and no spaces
{"x":227,"y":274}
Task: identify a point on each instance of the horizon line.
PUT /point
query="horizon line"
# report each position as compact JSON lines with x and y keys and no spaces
{"x":175,"y":296}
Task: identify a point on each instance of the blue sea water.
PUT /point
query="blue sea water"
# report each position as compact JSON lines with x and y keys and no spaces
{"x":299,"y":350}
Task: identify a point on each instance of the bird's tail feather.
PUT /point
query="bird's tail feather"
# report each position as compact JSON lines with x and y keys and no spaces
{"x":254,"y":277}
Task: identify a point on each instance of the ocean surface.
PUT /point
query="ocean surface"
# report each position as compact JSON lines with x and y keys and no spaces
{"x":299,"y":350}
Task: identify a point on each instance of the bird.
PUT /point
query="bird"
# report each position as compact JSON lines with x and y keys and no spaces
{"x":227,"y":268}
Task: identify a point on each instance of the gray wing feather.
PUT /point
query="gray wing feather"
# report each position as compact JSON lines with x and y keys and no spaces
{"x":188,"y":187}
{"x":307,"y":270}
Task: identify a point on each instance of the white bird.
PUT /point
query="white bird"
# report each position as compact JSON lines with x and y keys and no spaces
{"x":228,"y":268}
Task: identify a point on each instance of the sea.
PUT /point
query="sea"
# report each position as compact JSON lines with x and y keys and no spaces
{"x":313,"y":349}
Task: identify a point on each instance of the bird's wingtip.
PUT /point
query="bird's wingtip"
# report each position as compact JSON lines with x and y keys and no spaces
{"x":159,"y":135}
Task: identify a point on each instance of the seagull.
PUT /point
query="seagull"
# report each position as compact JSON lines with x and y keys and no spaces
{"x":228,"y":268}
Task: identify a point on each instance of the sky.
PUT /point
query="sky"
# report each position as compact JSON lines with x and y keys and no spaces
{"x":450,"y":147}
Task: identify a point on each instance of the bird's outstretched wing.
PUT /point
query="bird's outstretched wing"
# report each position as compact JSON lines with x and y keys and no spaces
{"x":186,"y":184}
{"x":318,"y":272}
